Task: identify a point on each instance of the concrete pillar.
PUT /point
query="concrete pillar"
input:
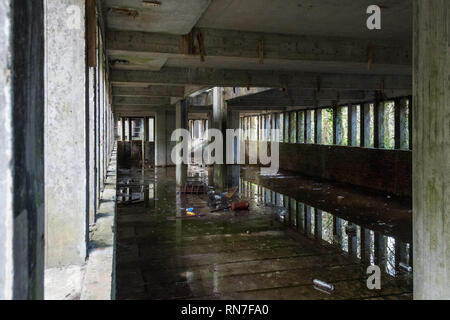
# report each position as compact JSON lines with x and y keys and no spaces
{"x":123,"y":134}
{"x":182,"y":123}
{"x":308,"y":224}
{"x":401,"y":124}
{"x":352,"y":125}
{"x":318,"y":126}
{"x":308,"y":120}
{"x":337,"y":125}
{"x":233,"y":171}
{"x":378,"y":127}
{"x":130,"y":130}
{"x":22,"y":149}
{"x":220,"y":123}
{"x":431,"y":149}
{"x":365,"y":245}
{"x":160,"y":138}
{"x":318,"y":223}
{"x":365,"y":125}
{"x":65,"y":137}
{"x":91,"y":144}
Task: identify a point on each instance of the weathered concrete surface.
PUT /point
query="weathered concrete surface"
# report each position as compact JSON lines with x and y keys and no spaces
{"x":64,"y":283}
{"x":173,"y":16}
{"x":99,"y":280}
{"x":28,"y":126}
{"x":383,"y":170}
{"x":21,"y":155}
{"x":6,"y":154}
{"x":431,"y":149}
{"x":65,"y":145}
{"x":281,"y":52}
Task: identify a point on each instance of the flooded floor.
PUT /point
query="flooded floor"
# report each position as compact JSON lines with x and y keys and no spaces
{"x":294,"y":232}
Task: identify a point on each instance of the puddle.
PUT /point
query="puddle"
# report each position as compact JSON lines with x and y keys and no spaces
{"x":369,"y":246}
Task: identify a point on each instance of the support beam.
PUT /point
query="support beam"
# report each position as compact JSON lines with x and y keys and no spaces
{"x":289,"y":50}
{"x":137,"y":101}
{"x":431,"y":152}
{"x":252,"y":78}
{"x":150,"y":91}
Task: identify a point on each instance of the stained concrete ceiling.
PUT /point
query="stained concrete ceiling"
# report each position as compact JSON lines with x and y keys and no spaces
{"x":172,"y":16}
{"x":336,"y":18}
{"x":320,"y":37}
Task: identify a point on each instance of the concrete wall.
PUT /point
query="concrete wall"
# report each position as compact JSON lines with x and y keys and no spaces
{"x":65,"y":146}
{"x":431,"y":149}
{"x":383,"y":170}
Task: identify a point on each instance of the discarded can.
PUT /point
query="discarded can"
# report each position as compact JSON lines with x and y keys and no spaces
{"x":189,"y":209}
{"x":240,"y":206}
{"x":405,"y":267}
{"x":323,"y":285}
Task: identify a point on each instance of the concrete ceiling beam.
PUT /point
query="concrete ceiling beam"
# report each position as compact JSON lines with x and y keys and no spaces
{"x":150,"y":91}
{"x":242,"y":78}
{"x":146,"y":101}
{"x":261,"y":47}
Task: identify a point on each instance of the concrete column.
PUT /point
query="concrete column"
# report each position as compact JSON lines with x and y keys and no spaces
{"x":318,"y":126}
{"x":337,"y":125}
{"x":318,"y":223}
{"x":308,"y":225}
{"x":365,"y":245}
{"x":352,"y":125}
{"x":378,"y":128}
{"x":233,"y":171}
{"x":65,"y":138}
{"x":308,"y":133}
{"x":22,"y":149}
{"x":122,"y":121}
{"x":91,"y":143}
{"x":220,"y":123}
{"x":160,"y":138}
{"x":401,"y":124}
{"x":431,"y":149}
{"x":181,"y":123}
{"x":364,"y":122}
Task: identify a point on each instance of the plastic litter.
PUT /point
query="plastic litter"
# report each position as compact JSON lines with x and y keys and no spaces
{"x":405,"y":267}
{"x":323,"y":285}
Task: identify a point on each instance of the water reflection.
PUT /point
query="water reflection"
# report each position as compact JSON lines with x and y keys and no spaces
{"x":371,"y":247}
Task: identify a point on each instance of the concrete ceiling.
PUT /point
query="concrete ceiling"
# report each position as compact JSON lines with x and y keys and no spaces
{"x":338,"y":18}
{"x":320,"y":40}
{"x":172,"y":16}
